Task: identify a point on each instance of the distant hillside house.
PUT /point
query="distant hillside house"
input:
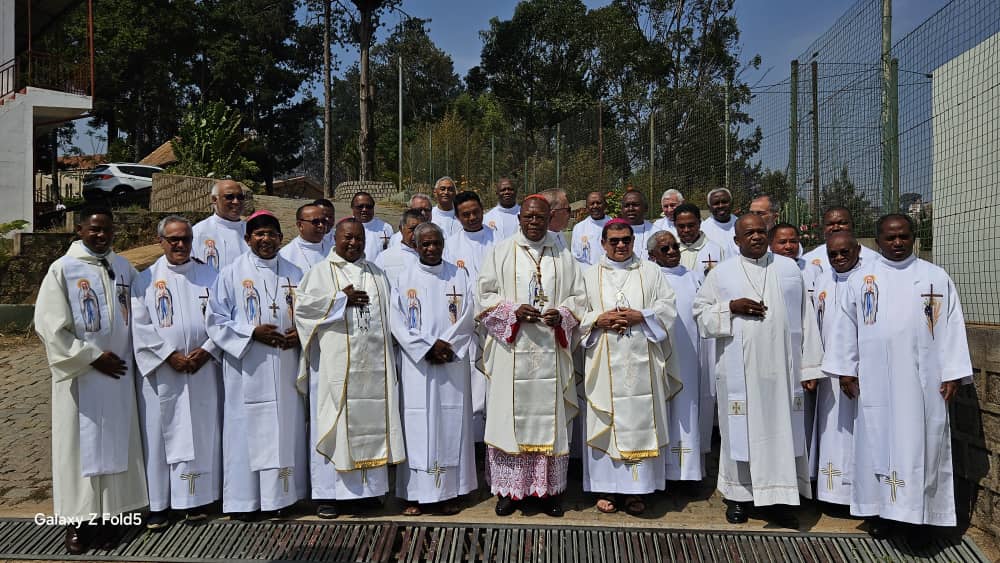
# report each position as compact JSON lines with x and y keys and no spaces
{"x":163,"y":156}
{"x":299,"y":187}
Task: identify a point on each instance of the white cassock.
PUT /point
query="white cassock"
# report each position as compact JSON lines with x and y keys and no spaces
{"x":503,"y":220}
{"x":264,"y":419}
{"x":833,"y":448}
{"x":532,"y":395}
{"x":305,"y":254}
{"x":446,"y":220}
{"x":377,"y":235}
{"x":818,"y":257}
{"x":433,"y":303}
{"x":394,"y":260}
{"x":466,"y":250}
{"x":348,"y":352}
{"x":96,"y":447}
{"x":665,"y":224}
{"x":722,"y":234}
{"x":702,"y":255}
{"x":685,"y":461}
{"x":218,"y":242}
{"x":903,"y":333}
{"x":180,"y":412}
{"x":627,"y":381}
{"x":642,"y":233}
{"x":586,"y":241}
{"x":395,"y":240}
{"x":760,"y":363}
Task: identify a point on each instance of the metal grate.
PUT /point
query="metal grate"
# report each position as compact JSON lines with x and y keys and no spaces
{"x":222,"y":540}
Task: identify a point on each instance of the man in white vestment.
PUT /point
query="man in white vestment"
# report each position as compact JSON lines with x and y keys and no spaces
{"x":251,"y":311}
{"x":418,"y":202}
{"x":397,"y":258}
{"x":312,"y":244}
{"x":719,"y":227}
{"x":699,"y":254}
{"x":82,"y":316}
{"x":685,"y":459}
{"x":466,"y":249}
{"x":559,"y":214}
{"x":179,"y":388}
{"x":377,"y":232}
{"x":836,"y":219}
{"x":634,"y":210}
{"x":903,"y":334}
{"x":668,"y":204}
{"x":784,"y":239}
{"x":443,"y":214}
{"x":835,"y":412}
{"x":531,"y":299}
{"x":330,"y":214}
{"x":503,"y":218}
{"x":433,"y":319}
{"x":756,"y":307}
{"x":219,"y":239}
{"x":765,"y":207}
{"x":343,"y":316}
{"x":627,"y":382}
{"x":586,"y":245}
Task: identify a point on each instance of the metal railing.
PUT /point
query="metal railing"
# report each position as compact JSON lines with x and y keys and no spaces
{"x":43,"y":70}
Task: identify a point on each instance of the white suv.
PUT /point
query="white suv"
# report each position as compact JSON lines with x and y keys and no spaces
{"x":120,"y":179}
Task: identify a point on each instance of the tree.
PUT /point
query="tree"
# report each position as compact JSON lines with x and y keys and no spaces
{"x":842,"y":192}
{"x":209,"y":143}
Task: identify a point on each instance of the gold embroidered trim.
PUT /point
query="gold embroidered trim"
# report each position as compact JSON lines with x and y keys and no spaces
{"x":536,"y":448}
{"x":371,"y":463}
{"x":639,"y":454}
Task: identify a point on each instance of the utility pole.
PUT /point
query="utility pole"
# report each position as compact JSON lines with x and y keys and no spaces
{"x":400,"y":123}
{"x":793,"y":143}
{"x":890,"y":116}
{"x":652,"y":153}
{"x":493,"y":152}
{"x":600,"y":140}
{"x":558,"y":138}
{"x":815,"y":138}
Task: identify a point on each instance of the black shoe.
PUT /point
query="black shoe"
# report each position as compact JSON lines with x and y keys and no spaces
{"x":505,"y":506}
{"x":327,"y":511}
{"x":919,"y":537}
{"x":158,"y":521}
{"x":195,"y":516}
{"x":553,"y":506}
{"x":243,"y":516}
{"x":738,"y":512}
{"x":784,"y":517}
{"x":74,"y":541}
{"x":879,"y":528}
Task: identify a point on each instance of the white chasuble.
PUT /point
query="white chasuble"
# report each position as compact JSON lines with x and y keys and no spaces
{"x":395,"y":260}
{"x":447,"y":220}
{"x":722,"y":234}
{"x":627,"y":380}
{"x":701,"y":256}
{"x":81,"y":312}
{"x":503,"y":221}
{"x":641,"y":233}
{"x":348,"y":350}
{"x":835,"y":411}
{"x":432,"y":303}
{"x":819,"y":258}
{"x":264,"y":430}
{"x":685,"y":458}
{"x":586,"y":241}
{"x":760,"y":363}
{"x":305,"y":254}
{"x":218,"y":242}
{"x":180,"y":412}
{"x":466,"y":250}
{"x":903,"y":334}
{"x":532,"y":395}
{"x":377,"y":235}
{"x":665,"y":224}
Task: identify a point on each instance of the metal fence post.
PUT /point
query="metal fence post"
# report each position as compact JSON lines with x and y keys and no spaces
{"x":652,"y":153}
{"x":558,"y":138}
{"x":815,"y":139}
{"x":793,"y":144}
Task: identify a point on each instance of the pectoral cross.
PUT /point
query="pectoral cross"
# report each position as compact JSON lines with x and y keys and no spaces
{"x":284,"y":473}
{"x":736,"y":407}
{"x":437,"y":471}
{"x":830,"y":471}
{"x":634,"y":466}
{"x":274,"y":309}
{"x":190,"y":478}
{"x":894,"y":482}
{"x":540,"y":298}
{"x":680,"y":450}
{"x":385,"y":240}
{"x":204,"y":301}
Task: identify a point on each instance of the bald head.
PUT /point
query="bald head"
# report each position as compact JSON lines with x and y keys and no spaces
{"x":751,"y":236}
{"x":843,"y":251}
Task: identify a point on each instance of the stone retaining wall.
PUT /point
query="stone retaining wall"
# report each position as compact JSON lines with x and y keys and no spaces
{"x":379,"y":190}
{"x":181,"y":194}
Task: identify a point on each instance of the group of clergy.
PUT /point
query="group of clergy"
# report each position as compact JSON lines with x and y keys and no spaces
{"x":238,"y":368}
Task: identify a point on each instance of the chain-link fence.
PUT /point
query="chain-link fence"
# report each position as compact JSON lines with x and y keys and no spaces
{"x":859,"y":121}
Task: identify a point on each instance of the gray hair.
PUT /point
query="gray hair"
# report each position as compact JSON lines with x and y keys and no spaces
{"x":771,"y":203}
{"x":215,"y":186}
{"x":422,"y":196}
{"x":672,"y":193}
{"x":653,"y":241}
{"x":708,"y":198}
{"x":427,"y":226}
{"x":553,"y":195}
{"x":443,"y":179}
{"x":410,"y":214}
{"x":161,"y":227}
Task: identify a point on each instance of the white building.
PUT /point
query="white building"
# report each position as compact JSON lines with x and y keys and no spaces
{"x":38,"y":92}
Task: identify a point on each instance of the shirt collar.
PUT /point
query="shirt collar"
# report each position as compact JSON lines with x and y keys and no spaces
{"x":902,"y":264}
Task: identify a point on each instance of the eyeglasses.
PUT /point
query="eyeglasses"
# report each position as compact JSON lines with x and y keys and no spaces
{"x":316,"y":222}
{"x":175,"y":240}
{"x":667,"y":247}
{"x":364,"y":206}
{"x":617,"y":241}
{"x":234,"y":197}
{"x":108,"y":268}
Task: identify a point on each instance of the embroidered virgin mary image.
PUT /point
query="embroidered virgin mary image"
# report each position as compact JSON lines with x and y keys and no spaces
{"x":90,"y":307}
{"x":164,"y":304}
{"x":251,"y":302}
{"x":869,"y":300}
{"x":412,"y":309}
